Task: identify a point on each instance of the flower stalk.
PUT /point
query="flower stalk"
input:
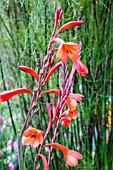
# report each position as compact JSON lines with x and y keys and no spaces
{"x":35,"y":137}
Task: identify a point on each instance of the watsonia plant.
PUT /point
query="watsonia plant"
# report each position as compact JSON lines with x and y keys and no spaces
{"x":63,"y":110}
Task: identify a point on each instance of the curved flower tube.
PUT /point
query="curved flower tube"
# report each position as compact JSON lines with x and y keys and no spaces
{"x":69,"y":25}
{"x":33,"y":137}
{"x":30,"y":71}
{"x":71,"y":156}
{"x":46,"y":167}
{"x":6,"y":95}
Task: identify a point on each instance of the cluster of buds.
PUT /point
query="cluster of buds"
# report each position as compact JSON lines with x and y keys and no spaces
{"x":60,"y":113}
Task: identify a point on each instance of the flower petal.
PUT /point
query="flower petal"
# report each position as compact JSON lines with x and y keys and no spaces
{"x":71,"y":160}
{"x":30,"y":131}
{"x":40,"y":136}
{"x":36,"y":143}
{"x":73,"y":114}
{"x":76,"y":96}
{"x":71,"y":103}
{"x":73,"y":46}
{"x":75,"y":153}
{"x":59,"y":52}
{"x":28,"y":140}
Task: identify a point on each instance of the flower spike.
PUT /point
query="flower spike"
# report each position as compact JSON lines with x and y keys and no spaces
{"x":6,"y":95}
{"x":69,"y":25}
{"x":30,"y":71}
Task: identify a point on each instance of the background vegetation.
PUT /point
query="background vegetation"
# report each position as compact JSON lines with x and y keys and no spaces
{"x":25,"y":29}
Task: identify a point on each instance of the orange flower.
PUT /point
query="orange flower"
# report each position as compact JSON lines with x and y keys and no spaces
{"x":73,"y":114}
{"x":33,"y":137}
{"x":6,"y":95}
{"x":72,"y":100}
{"x":71,"y":156}
{"x":46,"y":167}
{"x":30,"y":71}
{"x":81,"y":68}
{"x":68,"y":49}
{"x":65,"y":121}
{"x":72,"y":103}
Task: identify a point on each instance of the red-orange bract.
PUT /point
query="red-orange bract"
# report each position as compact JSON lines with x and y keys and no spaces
{"x":71,"y":156}
{"x":52,"y":71}
{"x":30,"y":71}
{"x":33,"y":137}
{"x":69,"y":25}
{"x":6,"y":95}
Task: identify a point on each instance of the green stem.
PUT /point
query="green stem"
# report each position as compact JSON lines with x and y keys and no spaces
{"x":20,"y":155}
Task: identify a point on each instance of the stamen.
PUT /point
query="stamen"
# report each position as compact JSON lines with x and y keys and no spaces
{"x":33,"y":136}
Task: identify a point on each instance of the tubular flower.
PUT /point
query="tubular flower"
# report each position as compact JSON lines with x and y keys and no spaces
{"x":68,"y":49}
{"x":72,"y":100}
{"x":33,"y":137}
{"x":81,"y":68}
{"x":46,"y":167}
{"x":71,"y":156}
{"x":6,"y":95}
{"x":30,"y":71}
{"x":72,"y":103}
{"x":65,"y":121}
{"x":72,"y":114}
{"x":69,"y":25}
